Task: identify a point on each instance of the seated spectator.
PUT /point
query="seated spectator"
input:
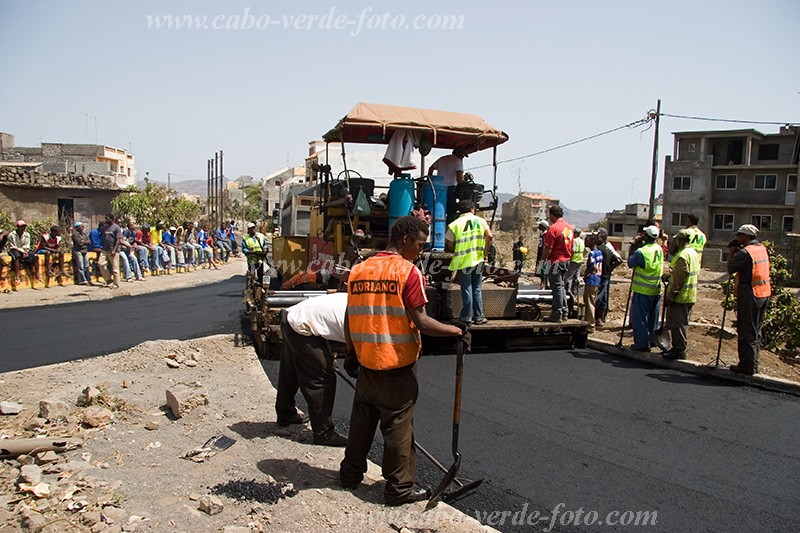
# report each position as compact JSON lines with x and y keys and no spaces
{"x":223,"y":243}
{"x":19,"y":248}
{"x":232,"y":238}
{"x":141,"y":252}
{"x":50,"y":246}
{"x":177,"y":246}
{"x":143,"y":239}
{"x":96,"y":246}
{"x":156,"y":235}
{"x":3,"y":242}
{"x":127,"y":257}
{"x":80,"y":255}
{"x":192,"y":246}
{"x":203,"y":239}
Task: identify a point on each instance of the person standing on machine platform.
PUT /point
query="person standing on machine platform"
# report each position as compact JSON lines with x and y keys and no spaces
{"x":450,"y":167}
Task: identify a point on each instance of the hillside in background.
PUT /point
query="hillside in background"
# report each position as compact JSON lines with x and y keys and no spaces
{"x":193,"y":187}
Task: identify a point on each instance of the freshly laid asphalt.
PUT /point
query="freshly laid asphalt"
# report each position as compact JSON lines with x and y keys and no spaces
{"x":36,"y":336}
{"x":572,"y":430}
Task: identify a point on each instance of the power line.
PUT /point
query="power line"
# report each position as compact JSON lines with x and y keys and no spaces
{"x":731,"y":120}
{"x":584,"y":139}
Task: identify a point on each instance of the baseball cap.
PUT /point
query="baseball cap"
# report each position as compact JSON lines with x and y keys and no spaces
{"x":250,"y":225}
{"x":77,"y":224}
{"x":602,"y":232}
{"x":21,"y":223}
{"x":652,"y":231}
{"x":544,"y":224}
{"x":684,"y":234}
{"x":173,"y":228}
{"x":747,"y":229}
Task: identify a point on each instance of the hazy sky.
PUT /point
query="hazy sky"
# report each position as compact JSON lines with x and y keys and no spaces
{"x":545,"y":72}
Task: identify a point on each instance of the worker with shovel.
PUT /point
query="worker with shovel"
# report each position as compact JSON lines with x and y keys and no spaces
{"x":648,"y":264}
{"x":681,"y":293}
{"x":385,"y":315}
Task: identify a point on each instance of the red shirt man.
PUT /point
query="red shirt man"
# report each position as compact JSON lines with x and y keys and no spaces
{"x":558,"y":240}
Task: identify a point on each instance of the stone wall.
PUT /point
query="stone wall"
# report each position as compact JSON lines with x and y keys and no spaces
{"x":29,"y":194}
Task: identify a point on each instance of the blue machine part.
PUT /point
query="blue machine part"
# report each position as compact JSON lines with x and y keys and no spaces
{"x":438,"y":209}
{"x":401,"y":199}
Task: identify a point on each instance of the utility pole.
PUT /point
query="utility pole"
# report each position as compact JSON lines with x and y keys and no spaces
{"x":652,"y":204}
{"x":222,"y":193}
{"x":168,"y":181}
{"x":208,"y":186}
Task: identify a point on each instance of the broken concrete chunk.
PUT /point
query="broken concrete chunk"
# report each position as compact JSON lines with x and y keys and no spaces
{"x":30,"y":520}
{"x":35,"y":423}
{"x":116,"y":514}
{"x":191,"y":363}
{"x":10,"y":408}
{"x":181,"y":399}
{"x":97,"y":416}
{"x":126,"y":384}
{"x":211,"y":505}
{"x":53,"y":409}
{"x":88,"y":396}
{"x":172,"y":363}
{"x":31,"y":474}
{"x":151,"y":425}
{"x":47,"y":457}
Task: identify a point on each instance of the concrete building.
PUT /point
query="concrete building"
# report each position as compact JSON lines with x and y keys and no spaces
{"x":729,"y":178}
{"x":28,"y":193}
{"x":276,"y":187}
{"x":74,"y":158}
{"x":526,"y":209}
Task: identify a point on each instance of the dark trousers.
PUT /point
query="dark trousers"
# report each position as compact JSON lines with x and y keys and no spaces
{"x":387,"y":397}
{"x":601,"y":302}
{"x":307,"y":366}
{"x":678,"y":316}
{"x":750,"y":313}
{"x":644,"y":319}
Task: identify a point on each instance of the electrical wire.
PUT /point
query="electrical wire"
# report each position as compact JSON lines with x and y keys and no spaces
{"x":633,"y":124}
{"x":731,"y":120}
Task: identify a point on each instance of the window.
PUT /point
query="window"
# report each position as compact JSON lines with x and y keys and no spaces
{"x":788,"y":223}
{"x":726,"y":181}
{"x":791,"y":183}
{"x":691,"y":148}
{"x":616,"y":228}
{"x":723,"y":222}
{"x":765,"y":181}
{"x":679,"y":219}
{"x":681,"y":183}
{"x":768,"y":152}
{"x":762,"y":222}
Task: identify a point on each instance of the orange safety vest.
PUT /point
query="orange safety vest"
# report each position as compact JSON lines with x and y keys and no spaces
{"x":306,"y":276}
{"x":383,"y":335}
{"x":762,"y":288}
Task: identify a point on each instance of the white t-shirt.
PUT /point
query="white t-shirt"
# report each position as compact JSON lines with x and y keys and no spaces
{"x":322,"y":316}
{"x":447,"y":166}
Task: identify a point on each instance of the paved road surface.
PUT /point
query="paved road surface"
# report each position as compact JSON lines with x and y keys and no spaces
{"x":588,"y":431}
{"x":577,"y":429}
{"x":37,"y":336}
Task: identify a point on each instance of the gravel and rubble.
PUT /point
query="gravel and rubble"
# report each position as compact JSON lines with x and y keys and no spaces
{"x":127,"y":471}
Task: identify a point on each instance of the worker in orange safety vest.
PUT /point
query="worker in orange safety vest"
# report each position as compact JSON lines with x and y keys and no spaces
{"x":385,"y":316}
{"x":750,"y":265}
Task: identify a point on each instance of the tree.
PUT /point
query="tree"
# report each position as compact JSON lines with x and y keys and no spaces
{"x":154,"y":204}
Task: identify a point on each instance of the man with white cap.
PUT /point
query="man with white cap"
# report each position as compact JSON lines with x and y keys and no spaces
{"x":648,"y":264}
{"x":750,"y":265}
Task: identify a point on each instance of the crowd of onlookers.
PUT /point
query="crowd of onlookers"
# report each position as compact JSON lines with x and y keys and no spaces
{"x":118,"y":251}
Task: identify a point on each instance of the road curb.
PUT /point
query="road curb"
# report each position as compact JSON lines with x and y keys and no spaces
{"x":699,"y":369}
